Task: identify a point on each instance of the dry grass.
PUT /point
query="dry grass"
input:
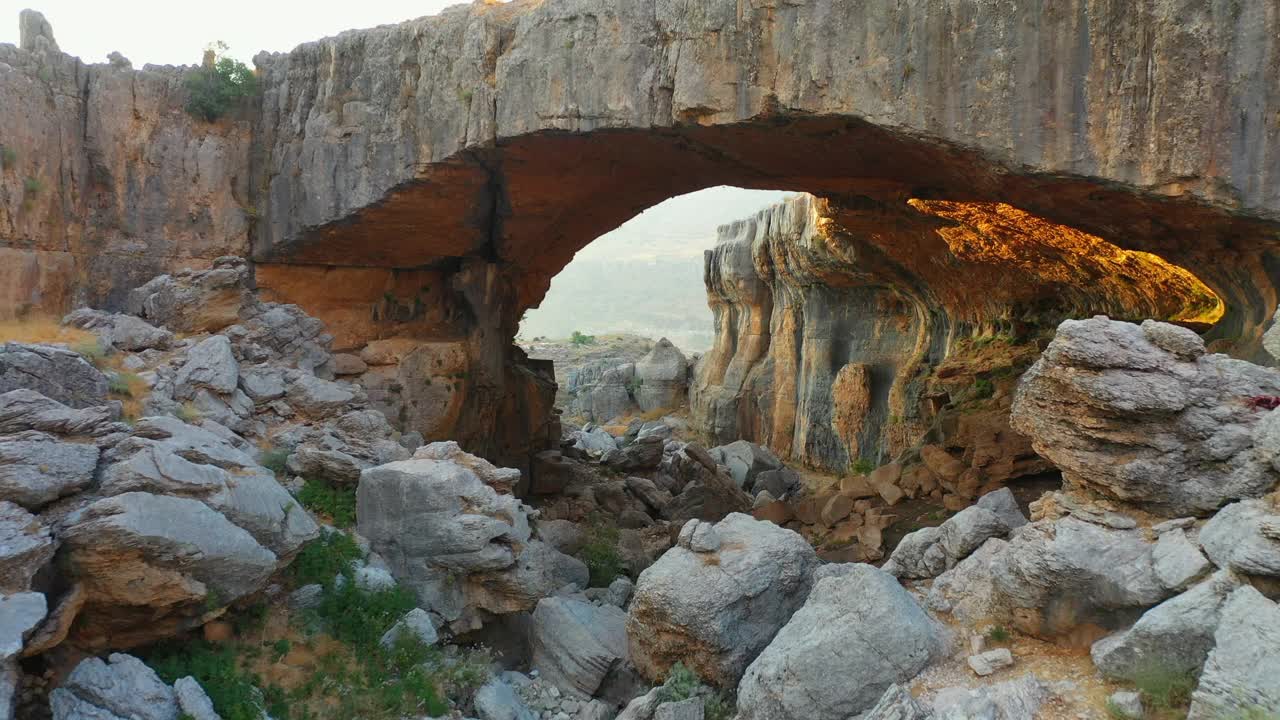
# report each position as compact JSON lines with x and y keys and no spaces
{"x":43,"y":330}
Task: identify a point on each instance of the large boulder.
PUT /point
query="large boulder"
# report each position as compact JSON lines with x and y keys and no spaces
{"x":858,"y":633}
{"x":929,"y":552}
{"x":23,"y":410}
{"x":577,"y":644}
{"x":1245,"y":536}
{"x":121,"y":688}
{"x":1174,"y":636}
{"x":120,"y":331}
{"x":716,"y":610}
{"x":25,"y":547}
{"x":1054,"y":576}
{"x":450,"y":530}
{"x":20,"y":615}
{"x":52,"y":371}
{"x":1241,"y":676}
{"x":705,"y":492}
{"x":154,"y":565}
{"x":194,"y":301}
{"x":210,"y":364}
{"x":37,"y":468}
{"x":661,"y":377}
{"x":1142,"y":414}
{"x":746,"y":461}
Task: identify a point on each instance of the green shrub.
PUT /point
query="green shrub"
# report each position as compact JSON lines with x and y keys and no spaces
{"x":339,"y":504}
{"x":32,"y":185}
{"x":681,"y":684}
{"x":274,"y":459}
{"x":234,"y":692}
{"x":579,"y":339}
{"x":92,"y":351}
{"x":321,"y":560}
{"x":998,"y":634}
{"x":600,"y":553}
{"x":983,"y":389}
{"x":8,"y":157}
{"x":1163,"y":688}
{"x":213,"y":90}
{"x":861,"y":466}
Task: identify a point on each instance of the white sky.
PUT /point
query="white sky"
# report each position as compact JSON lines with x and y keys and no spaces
{"x":175,"y":32}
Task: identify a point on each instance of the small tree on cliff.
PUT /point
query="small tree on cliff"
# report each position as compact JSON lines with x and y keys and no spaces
{"x":218,"y":84}
{"x":579,"y":339}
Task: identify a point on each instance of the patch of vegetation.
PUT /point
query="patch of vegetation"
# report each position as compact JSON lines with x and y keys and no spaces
{"x":125,"y":383}
{"x":187,"y":412}
{"x":683,"y":683}
{"x":234,"y":692}
{"x":92,"y":351}
{"x":8,"y":157}
{"x":336,"y":503}
{"x":274,"y":459}
{"x":578,"y":338}
{"x":32,"y":185}
{"x":38,"y":329}
{"x":1165,"y":690}
{"x":320,"y":561}
{"x":983,"y":389}
{"x":214,"y":89}
{"x":998,"y":634}
{"x":600,"y":553}
{"x":861,"y":466}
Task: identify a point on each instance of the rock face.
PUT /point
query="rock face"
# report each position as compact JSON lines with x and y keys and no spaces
{"x":1142,"y":414}
{"x":929,"y":552}
{"x":456,"y":183}
{"x":714,"y":605}
{"x":1242,"y":673}
{"x":858,"y":634}
{"x":576,"y":644}
{"x":122,"y":687}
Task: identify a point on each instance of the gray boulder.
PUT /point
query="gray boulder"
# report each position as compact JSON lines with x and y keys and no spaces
{"x":1018,"y":699}
{"x":497,"y":700}
{"x":1178,"y":562}
{"x":23,"y":410}
{"x":210,"y":364}
{"x":643,"y":454}
{"x":36,"y":468}
{"x":319,"y":398}
{"x":661,"y":377}
{"x":595,"y":442}
{"x":1245,"y":536}
{"x":1056,"y":575}
{"x":155,"y":564}
{"x":122,"y":688}
{"x":576,"y":644}
{"x":52,"y":371}
{"x":120,"y":331}
{"x":193,"y":701}
{"x":1142,"y":414}
{"x":897,"y":703}
{"x":858,"y":633}
{"x":1175,"y":635}
{"x":25,"y":546}
{"x":716,"y":611}
{"x":417,"y":624}
{"x":746,"y":461}
{"x":1242,"y":673}
{"x":20,"y":614}
{"x":929,"y":552}
{"x":968,"y":591}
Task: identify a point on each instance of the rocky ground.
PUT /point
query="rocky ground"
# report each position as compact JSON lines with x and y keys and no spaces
{"x":199,"y":520}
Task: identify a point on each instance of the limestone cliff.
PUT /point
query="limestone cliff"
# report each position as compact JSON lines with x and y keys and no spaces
{"x":833,"y":317}
{"x":105,"y":181}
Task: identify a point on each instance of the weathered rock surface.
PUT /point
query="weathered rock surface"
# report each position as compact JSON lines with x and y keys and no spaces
{"x":122,"y":688}
{"x":1142,"y":414}
{"x":1174,"y":636}
{"x":25,"y":546}
{"x":576,"y":644}
{"x":1242,"y":673}
{"x":929,"y":552}
{"x":661,"y":377}
{"x":858,"y":633}
{"x":1245,"y":536}
{"x":119,"y":330}
{"x":715,"y":611}
{"x":52,"y":371}
{"x":36,"y":469}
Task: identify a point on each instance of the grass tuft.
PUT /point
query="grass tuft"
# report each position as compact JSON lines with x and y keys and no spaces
{"x":600,"y":553}
{"x":338,"y":504}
